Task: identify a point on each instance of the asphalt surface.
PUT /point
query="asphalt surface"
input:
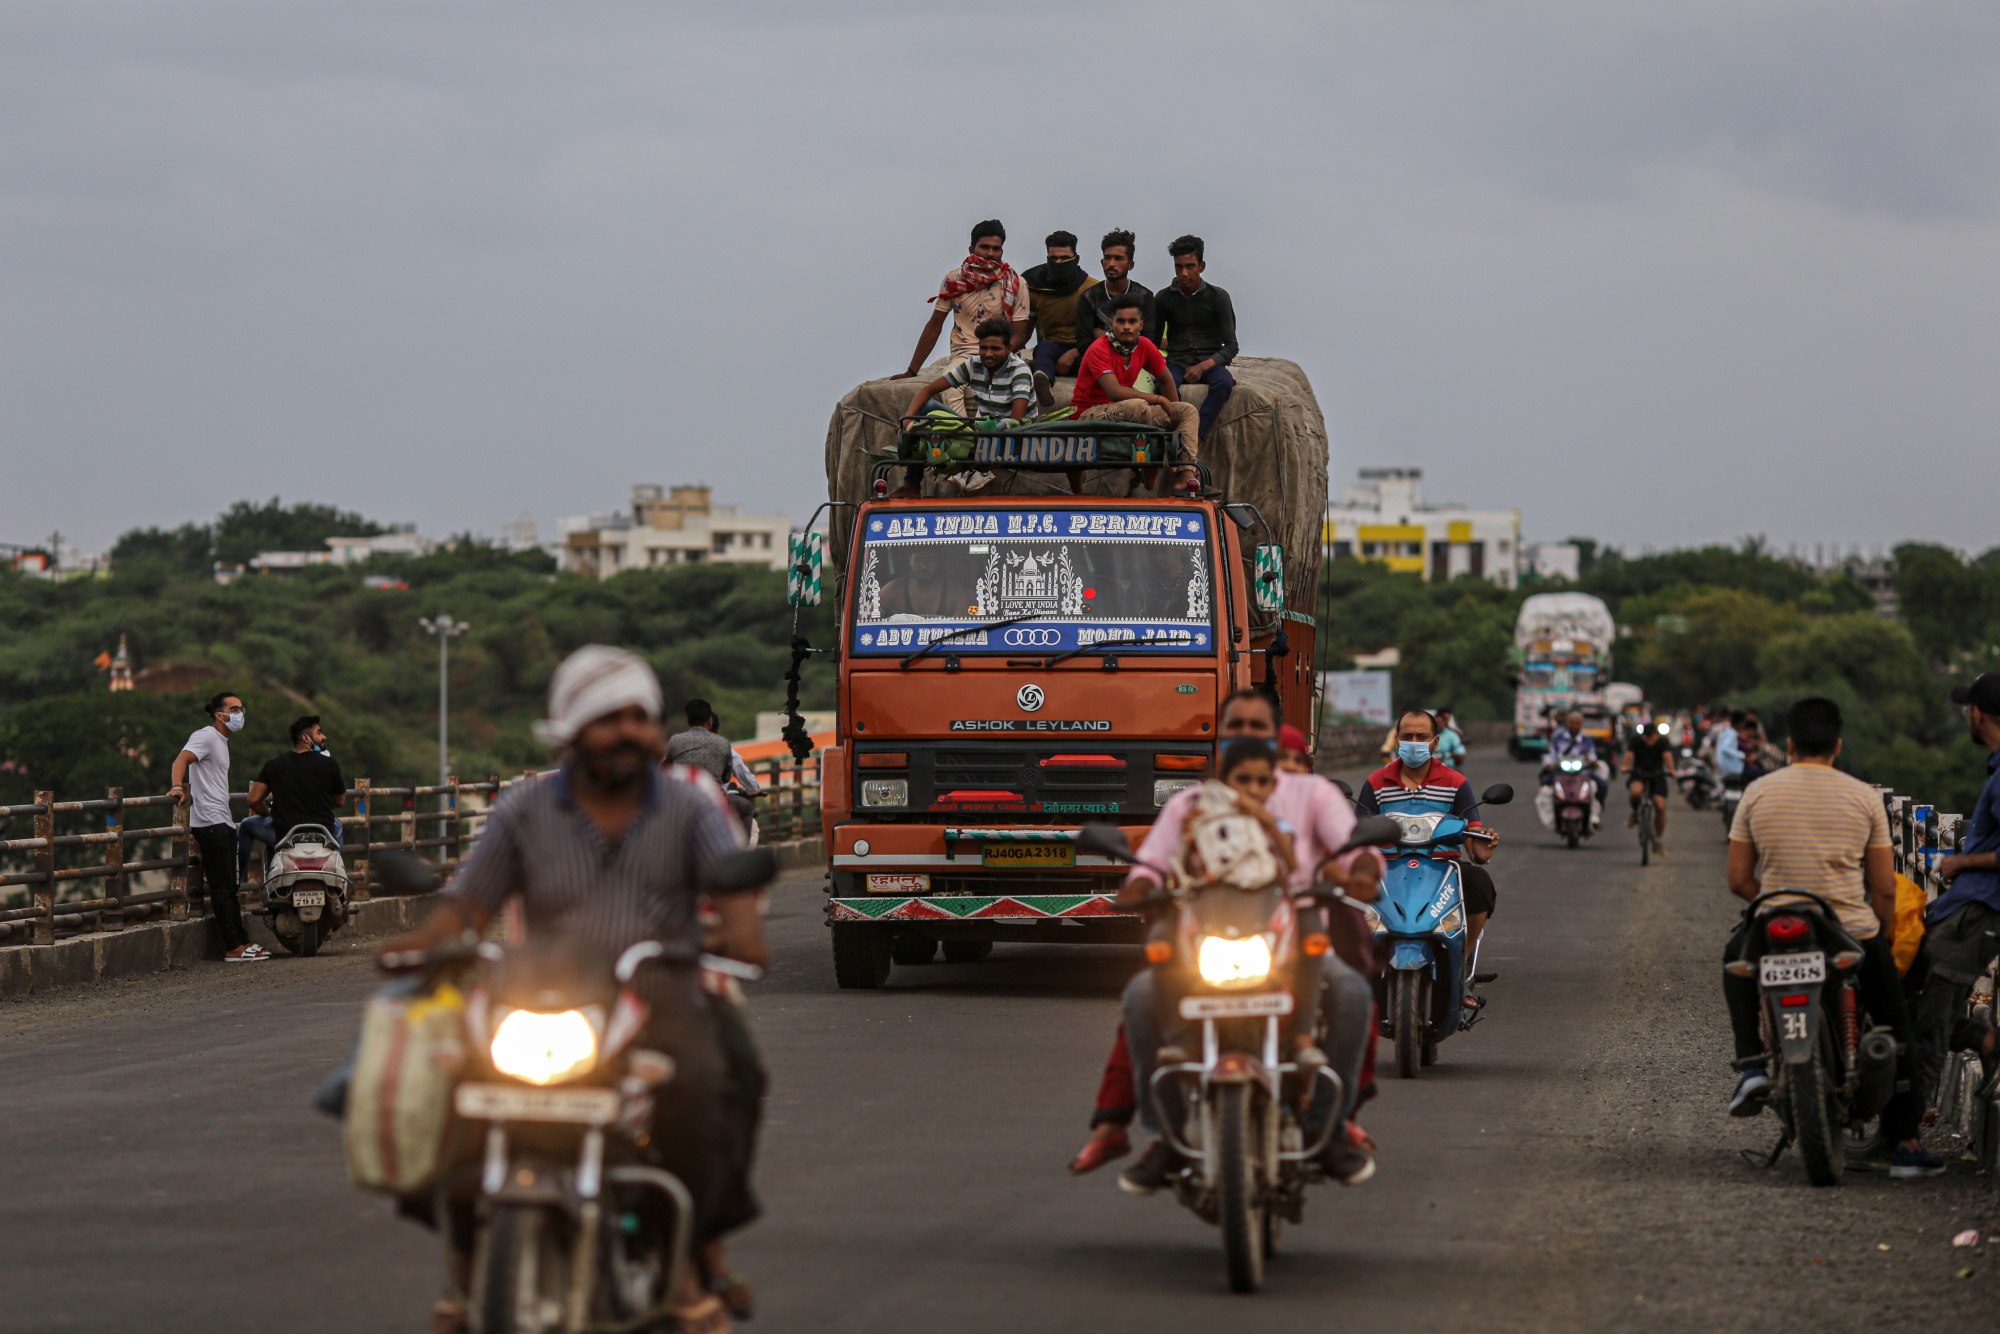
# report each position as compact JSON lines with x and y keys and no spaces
{"x":1566,"y":1166}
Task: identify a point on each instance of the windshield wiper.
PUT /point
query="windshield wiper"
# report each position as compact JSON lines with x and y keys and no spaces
{"x":966,"y":630}
{"x":1106,"y":646}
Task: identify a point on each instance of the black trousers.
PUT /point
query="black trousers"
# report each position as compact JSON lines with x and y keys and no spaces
{"x":1956,"y":951}
{"x":1881,"y":994}
{"x":1476,"y":883}
{"x":218,"y":870}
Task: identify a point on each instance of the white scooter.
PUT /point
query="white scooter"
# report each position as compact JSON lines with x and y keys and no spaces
{"x":305,"y":889}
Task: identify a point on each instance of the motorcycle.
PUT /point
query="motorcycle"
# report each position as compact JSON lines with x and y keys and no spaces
{"x":1695,"y":778}
{"x":575,"y":1230}
{"x":1730,"y":799}
{"x":1827,"y":1066}
{"x":1421,"y":917}
{"x":747,"y":813}
{"x":1236,"y":955}
{"x":1568,"y":802}
{"x":305,"y":889}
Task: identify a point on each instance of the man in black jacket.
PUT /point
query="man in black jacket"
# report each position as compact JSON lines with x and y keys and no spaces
{"x":1200,"y":330}
{"x":1093,"y":305}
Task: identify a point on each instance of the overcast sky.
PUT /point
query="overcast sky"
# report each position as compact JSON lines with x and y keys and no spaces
{"x":1661,"y":273}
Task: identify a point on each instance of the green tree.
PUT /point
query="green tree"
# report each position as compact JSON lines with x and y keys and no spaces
{"x":1708,"y":648}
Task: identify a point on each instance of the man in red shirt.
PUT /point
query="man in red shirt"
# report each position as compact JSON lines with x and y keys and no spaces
{"x":1108,"y":384}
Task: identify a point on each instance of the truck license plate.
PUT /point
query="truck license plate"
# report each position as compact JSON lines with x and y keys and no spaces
{"x":308,"y":898}
{"x":911,"y":883}
{"x":1784,"y":970}
{"x":511,"y":1102}
{"x":1257,"y":1006}
{"x":1028,"y":856}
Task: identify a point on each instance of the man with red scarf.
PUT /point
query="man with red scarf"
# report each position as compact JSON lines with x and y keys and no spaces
{"x":983,"y":286}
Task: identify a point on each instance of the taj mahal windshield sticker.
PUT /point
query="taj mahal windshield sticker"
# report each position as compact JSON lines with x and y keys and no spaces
{"x":1005,"y":581}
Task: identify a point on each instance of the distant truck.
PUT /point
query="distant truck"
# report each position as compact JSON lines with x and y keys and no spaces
{"x":1562,"y":648}
{"x":1016,"y":660}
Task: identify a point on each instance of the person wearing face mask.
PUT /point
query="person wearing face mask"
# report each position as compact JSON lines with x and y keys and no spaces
{"x":201,"y":783}
{"x":1054,"y":290}
{"x":1417,"y":783}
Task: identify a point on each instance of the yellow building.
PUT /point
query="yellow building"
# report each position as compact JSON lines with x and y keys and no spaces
{"x":1382,"y":517}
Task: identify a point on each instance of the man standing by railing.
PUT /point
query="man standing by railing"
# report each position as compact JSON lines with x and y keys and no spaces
{"x":1962,"y":928}
{"x":201,"y":782}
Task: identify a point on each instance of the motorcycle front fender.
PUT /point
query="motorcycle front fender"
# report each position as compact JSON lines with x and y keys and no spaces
{"x":1408,"y":955}
{"x":1795,"y":1027}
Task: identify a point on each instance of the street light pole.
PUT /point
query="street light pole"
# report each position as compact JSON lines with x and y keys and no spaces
{"x":444,"y":627}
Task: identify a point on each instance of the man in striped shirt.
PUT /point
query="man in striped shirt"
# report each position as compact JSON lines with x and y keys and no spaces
{"x":995,"y":384}
{"x":1417,"y":782}
{"x":1810,"y":827}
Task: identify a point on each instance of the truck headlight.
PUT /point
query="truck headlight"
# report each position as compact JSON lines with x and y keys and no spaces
{"x":1233,"y":963}
{"x":544,"y":1048}
{"x":1164,"y":788}
{"x":885,"y":792}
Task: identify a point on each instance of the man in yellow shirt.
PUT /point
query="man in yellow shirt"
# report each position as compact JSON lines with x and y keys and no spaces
{"x":1810,"y":827}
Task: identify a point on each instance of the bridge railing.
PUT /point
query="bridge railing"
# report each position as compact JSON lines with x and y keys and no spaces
{"x":76,"y":868}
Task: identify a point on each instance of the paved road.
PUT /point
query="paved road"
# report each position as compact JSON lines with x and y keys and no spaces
{"x":1565,"y":1167}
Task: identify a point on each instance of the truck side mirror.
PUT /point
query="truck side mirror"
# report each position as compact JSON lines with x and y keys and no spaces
{"x":804,"y":557}
{"x":1270,"y":577}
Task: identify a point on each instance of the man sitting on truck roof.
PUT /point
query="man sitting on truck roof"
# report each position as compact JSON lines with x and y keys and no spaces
{"x":996,"y":381}
{"x":1199,"y":322}
{"x":981,"y":288}
{"x":1053,"y":291}
{"x":1093,"y":306}
{"x":1109,"y":386}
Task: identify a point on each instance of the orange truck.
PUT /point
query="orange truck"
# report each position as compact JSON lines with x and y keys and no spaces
{"x":1016,"y":661}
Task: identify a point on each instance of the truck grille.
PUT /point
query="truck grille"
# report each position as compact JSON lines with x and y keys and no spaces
{"x":1060,"y":781}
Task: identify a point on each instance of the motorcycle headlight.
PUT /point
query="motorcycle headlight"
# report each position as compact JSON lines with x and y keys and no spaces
{"x":1572,"y":766}
{"x":1233,"y":963}
{"x":544,"y":1048}
{"x":1450,"y":923}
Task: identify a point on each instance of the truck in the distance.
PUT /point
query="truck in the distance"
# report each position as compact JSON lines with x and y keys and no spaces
{"x":1562,"y":649}
{"x":1016,"y":661}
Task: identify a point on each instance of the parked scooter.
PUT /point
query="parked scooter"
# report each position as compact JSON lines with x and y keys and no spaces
{"x":575,"y":1229}
{"x":305,"y":889}
{"x":1730,"y":798}
{"x":1421,"y":915}
{"x":1236,"y":957}
{"x":1828,"y":1067}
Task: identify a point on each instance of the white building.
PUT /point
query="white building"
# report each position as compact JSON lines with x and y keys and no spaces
{"x":1382,"y":517}
{"x":403,"y":540}
{"x":1550,"y":560}
{"x":677,"y":527}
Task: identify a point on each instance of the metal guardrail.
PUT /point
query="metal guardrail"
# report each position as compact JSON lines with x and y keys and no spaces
{"x":54,"y":867}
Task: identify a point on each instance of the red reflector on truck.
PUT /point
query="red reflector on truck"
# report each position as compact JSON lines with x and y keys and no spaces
{"x":1083,"y":762}
{"x":1184,"y":763}
{"x":983,"y":796}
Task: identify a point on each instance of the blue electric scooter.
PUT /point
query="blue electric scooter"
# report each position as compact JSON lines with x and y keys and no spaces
{"x":1421,"y":914}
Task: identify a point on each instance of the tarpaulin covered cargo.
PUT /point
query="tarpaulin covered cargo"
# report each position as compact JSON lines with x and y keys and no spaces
{"x":1269,"y":448}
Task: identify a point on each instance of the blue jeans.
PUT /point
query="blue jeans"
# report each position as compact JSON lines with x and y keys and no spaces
{"x":1046,"y":353}
{"x":1221,"y":384}
{"x":259,"y":829}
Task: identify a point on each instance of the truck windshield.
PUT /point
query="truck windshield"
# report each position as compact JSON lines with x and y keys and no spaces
{"x":1135,"y":580}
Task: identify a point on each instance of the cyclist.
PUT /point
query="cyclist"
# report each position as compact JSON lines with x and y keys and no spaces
{"x":1648,"y":768}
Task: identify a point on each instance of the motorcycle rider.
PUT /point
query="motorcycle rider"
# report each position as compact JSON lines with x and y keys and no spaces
{"x":301,"y":787}
{"x":1808,"y":826}
{"x":1320,"y":820}
{"x":1570,"y":742}
{"x":1648,"y":768}
{"x":1417,"y":782}
{"x":608,"y":851}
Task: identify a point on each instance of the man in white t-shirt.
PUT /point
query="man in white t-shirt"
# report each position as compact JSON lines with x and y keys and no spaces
{"x":201,"y":782}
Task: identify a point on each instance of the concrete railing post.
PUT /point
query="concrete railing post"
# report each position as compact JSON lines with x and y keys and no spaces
{"x":358,"y":867}
{"x":45,"y":865}
{"x":114,"y":856}
{"x":177,"y":878}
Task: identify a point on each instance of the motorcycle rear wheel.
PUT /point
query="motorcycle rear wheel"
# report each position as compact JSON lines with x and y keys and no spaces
{"x":1816,"y":1120}
{"x":1242,"y":1213}
{"x":521,"y":1274}
{"x":1407,"y":1003}
{"x":309,"y":938}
